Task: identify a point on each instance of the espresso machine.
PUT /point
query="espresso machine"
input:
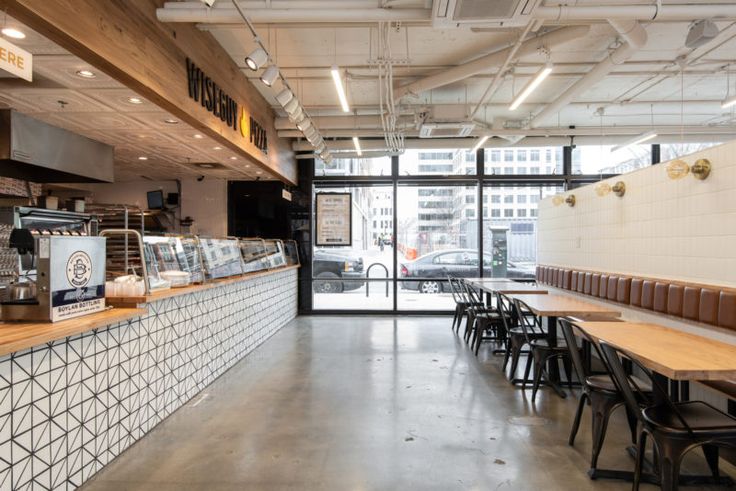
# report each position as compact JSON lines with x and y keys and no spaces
{"x":61,"y":276}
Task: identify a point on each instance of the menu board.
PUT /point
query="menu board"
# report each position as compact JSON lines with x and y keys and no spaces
{"x":334,"y":219}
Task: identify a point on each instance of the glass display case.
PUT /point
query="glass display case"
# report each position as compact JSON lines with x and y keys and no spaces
{"x":275,"y":253}
{"x":291,"y":252}
{"x":221,"y":257}
{"x":254,"y":255}
{"x":172,"y":261}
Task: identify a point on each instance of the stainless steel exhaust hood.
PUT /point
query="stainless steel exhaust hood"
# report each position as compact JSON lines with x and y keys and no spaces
{"x":35,"y":151}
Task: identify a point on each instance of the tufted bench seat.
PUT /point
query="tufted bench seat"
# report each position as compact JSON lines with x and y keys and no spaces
{"x":701,"y":303}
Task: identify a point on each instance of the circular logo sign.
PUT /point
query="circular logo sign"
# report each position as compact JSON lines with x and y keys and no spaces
{"x":79,"y":269}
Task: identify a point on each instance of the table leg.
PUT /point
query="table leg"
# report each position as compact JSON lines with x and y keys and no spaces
{"x":554,"y":369}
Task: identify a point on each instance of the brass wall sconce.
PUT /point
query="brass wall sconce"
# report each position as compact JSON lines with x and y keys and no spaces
{"x":677,"y":169}
{"x":603,"y":188}
{"x":558,"y":199}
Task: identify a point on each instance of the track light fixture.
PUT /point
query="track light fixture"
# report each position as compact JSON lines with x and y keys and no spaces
{"x":284,"y":97}
{"x":304,"y":125}
{"x":291,"y":106}
{"x":298,"y":116}
{"x":270,"y":75}
{"x":256,"y":59}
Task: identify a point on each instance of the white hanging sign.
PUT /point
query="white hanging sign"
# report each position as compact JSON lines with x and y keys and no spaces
{"x":16,"y":60}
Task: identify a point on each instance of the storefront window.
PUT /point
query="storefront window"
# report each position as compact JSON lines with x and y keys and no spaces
{"x":437,"y":237}
{"x":433,"y":162}
{"x":670,"y":151}
{"x":523,"y":161}
{"x":602,"y":159}
{"x":510,"y":235}
{"x":380,"y":166}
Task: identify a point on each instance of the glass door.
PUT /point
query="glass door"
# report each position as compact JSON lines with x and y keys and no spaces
{"x":358,"y":277}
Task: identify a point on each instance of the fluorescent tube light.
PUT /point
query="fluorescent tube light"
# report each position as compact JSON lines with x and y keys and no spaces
{"x":340,"y":89}
{"x":636,"y":140}
{"x":531,"y":87}
{"x":728,"y":102}
{"x":356,"y":142}
{"x":480,"y":143}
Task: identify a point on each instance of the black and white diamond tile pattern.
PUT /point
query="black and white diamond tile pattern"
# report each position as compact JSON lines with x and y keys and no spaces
{"x":69,"y":407}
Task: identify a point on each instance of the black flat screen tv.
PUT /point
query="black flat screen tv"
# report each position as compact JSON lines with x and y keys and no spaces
{"x":155,"y":200}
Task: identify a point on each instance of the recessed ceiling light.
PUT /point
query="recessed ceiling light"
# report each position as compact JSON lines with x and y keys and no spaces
{"x":216,"y":148}
{"x":206,"y":166}
{"x":171,"y":121}
{"x":86,"y":74}
{"x":135,"y":100}
{"x":247,"y":165}
{"x":233,"y":158}
{"x":13,"y":33}
{"x":142,"y":157}
{"x":259,"y":172}
{"x":198,"y":136}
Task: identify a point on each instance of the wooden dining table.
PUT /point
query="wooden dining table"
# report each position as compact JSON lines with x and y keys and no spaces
{"x":508,"y":287}
{"x":672,"y":355}
{"x":552,"y":306}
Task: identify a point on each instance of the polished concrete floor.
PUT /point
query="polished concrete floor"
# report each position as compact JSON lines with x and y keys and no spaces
{"x":367,"y":403}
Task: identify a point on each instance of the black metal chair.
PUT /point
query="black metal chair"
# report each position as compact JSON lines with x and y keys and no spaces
{"x":461,"y":302}
{"x":542,"y":352}
{"x":675,"y":428}
{"x":484,"y":319}
{"x":517,"y":338}
{"x":597,"y":389}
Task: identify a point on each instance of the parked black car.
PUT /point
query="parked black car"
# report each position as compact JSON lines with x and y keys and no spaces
{"x":339,"y":271}
{"x":461,"y":263}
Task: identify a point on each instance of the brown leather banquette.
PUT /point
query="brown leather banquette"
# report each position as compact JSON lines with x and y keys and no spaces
{"x":700,"y":303}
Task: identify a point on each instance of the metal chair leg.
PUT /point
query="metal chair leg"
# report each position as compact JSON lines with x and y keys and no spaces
{"x":578,"y":416}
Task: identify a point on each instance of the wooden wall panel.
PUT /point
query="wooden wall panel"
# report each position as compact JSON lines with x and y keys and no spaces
{"x":124,"y":39}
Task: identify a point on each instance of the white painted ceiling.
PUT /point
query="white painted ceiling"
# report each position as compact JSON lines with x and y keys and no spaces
{"x":99,"y":109}
{"x":647,"y":89}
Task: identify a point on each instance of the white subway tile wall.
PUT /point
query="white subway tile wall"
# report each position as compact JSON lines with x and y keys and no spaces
{"x":69,"y":407}
{"x":684,"y":229}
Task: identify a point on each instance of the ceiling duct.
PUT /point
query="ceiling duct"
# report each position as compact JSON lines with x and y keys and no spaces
{"x":502,"y":13}
{"x":38,"y":152}
{"x":445,"y":130}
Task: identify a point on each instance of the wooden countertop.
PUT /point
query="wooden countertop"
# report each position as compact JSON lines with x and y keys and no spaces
{"x":16,"y":336}
{"x":675,"y":354}
{"x":508,"y":287}
{"x":175,"y":292}
{"x":559,"y":305}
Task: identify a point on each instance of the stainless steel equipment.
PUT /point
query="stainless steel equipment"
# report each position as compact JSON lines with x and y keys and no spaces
{"x":38,"y":152}
{"x":64,"y":277}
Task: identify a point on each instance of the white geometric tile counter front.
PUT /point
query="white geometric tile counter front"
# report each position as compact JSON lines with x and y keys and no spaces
{"x":69,"y":407}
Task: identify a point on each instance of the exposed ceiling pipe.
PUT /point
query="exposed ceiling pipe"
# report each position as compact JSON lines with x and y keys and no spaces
{"x":635,"y":38}
{"x":592,"y":131}
{"x":535,"y":141}
{"x":484,"y":63}
{"x":346,"y":122}
{"x":563,"y":13}
{"x":496,"y":83}
{"x":171,"y":12}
